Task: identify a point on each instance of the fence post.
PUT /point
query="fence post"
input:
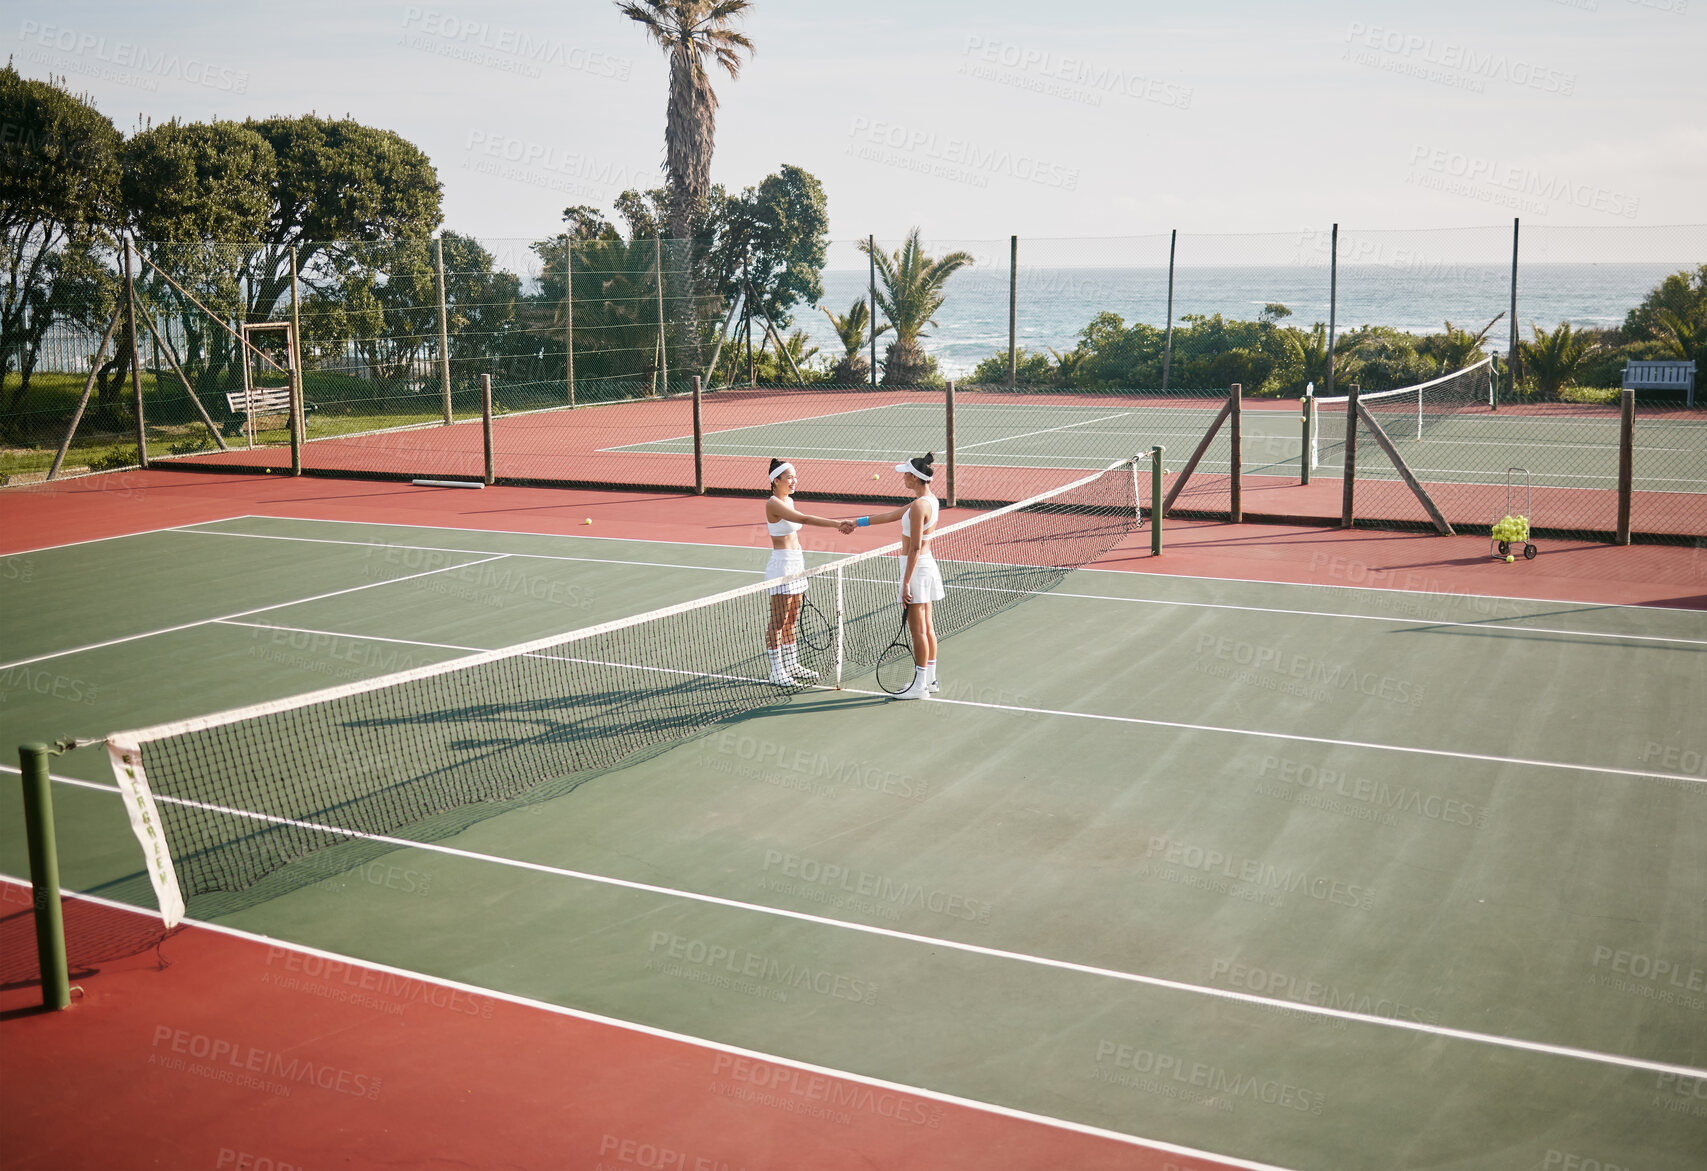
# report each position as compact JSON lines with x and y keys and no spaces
{"x":1511,"y":360}
{"x":948,"y":397}
{"x":663,"y":345}
{"x":44,"y":876}
{"x":1013,"y":315}
{"x":871,"y":255}
{"x":1333,"y":302}
{"x":444,"y":327}
{"x":698,"y":439}
{"x":1626,"y":461}
{"x":136,"y":361}
{"x":569,"y":311}
{"x":1307,"y":416}
{"x":486,"y":422}
{"x":1348,"y":485}
{"x":1168,"y":345}
{"x":298,"y":389}
{"x":1237,"y":456}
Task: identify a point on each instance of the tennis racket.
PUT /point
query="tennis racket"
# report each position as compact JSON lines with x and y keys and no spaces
{"x":895,"y":664}
{"x":813,"y":628}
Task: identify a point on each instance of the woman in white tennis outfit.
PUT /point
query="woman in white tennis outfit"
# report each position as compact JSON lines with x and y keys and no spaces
{"x":921,"y":580}
{"x":783,"y":520}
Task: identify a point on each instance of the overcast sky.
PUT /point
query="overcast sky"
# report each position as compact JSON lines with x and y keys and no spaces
{"x":971,"y":120}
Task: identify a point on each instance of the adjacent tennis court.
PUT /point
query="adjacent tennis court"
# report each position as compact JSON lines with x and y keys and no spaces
{"x":1279,"y":875}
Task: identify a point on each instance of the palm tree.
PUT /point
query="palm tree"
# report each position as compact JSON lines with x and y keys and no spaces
{"x":1555,"y":358}
{"x":910,"y":294}
{"x":1461,"y":346}
{"x":852,"y":369}
{"x":1309,"y":354}
{"x":690,"y":31}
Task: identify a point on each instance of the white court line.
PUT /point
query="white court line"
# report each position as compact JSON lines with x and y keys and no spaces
{"x":244,"y":613}
{"x":1302,"y":585}
{"x":751,"y":427}
{"x":1472,"y":1036}
{"x":478,"y":990}
{"x":1045,"y":431}
{"x":1407,"y":620}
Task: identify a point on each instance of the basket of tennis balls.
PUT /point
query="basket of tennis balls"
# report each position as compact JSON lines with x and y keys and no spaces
{"x":1512,"y":529}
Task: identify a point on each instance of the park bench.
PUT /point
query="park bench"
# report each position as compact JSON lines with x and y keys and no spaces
{"x":1676,"y":377}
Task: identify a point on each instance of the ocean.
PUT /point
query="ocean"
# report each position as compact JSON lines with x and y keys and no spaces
{"x":1055,"y":304}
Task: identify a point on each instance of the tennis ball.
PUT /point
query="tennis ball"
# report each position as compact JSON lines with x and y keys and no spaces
{"x":589,"y":521}
{"x":877,"y":475}
{"x":1509,"y":557}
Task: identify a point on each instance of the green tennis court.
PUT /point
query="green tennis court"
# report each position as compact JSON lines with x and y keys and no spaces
{"x":1286,"y":874}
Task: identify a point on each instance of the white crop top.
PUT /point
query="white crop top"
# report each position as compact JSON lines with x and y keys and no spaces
{"x":930,"y":521}
{"x":782,"y":528}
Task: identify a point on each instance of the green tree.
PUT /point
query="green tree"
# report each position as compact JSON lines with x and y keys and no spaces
{"x":1555,"y":360}
{"x":853,"y":327}
{"x":780,"y":229}
{"x":59,"y":192}
{"x":1682,"y":294}
{"x":693,"y":34}
{"x":911,"y":290}
{"x":1030,"y":369}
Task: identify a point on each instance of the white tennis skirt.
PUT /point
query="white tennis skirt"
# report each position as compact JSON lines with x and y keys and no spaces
{"x":927,"y":580}
{"x":782,"y":563}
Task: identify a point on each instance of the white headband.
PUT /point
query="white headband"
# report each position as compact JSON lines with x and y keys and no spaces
{"x":913,"y":471}
{"x":779,"y":470}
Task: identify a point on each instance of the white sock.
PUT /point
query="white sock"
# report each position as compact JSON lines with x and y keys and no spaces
{"x":775,"y":657}
{"x":791,"y":660}
{"x":930,"y":672}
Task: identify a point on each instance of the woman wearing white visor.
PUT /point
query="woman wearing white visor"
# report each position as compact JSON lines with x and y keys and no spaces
{"x":921,"y":580}
{"x":783,"y":521}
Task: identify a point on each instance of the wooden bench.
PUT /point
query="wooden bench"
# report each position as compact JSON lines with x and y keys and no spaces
{"x":1672,"y":376}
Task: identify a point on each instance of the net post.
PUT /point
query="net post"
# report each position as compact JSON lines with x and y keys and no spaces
{"x":444,"y":327}
{"x":1626,"y":461}
{"x":136,"y":360}
{"x":293,"y":355}
{"x":948,"y":398}
{"x":486,"y":422}
{"x":840,"y":628}
{"x":1306,"y":451}
{"x":698,"y":438}
{"x":1348,"y":485}
{"x":1235,"y":397}
{"x":1156,"y":508}
{"x":44,"y":876}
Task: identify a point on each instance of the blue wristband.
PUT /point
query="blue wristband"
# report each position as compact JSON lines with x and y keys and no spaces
{"x":862,"y":522}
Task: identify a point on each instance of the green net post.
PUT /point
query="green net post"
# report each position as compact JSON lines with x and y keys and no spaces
{"x":44,"y":876}
{"x":1156,"y":500}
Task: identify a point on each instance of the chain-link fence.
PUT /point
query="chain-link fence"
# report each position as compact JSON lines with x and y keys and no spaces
{"x":1066,"y":353}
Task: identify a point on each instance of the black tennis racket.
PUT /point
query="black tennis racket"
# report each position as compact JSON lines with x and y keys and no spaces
{"x":813,"y":628}
{"x":895,"y":664}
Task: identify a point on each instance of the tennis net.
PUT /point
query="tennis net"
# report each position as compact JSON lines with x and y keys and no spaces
{"x":229,"y":802}
{"x":1409,"y":412}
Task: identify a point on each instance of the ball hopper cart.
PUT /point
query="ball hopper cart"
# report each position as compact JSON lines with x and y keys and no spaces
{"x":1512,"y":529}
